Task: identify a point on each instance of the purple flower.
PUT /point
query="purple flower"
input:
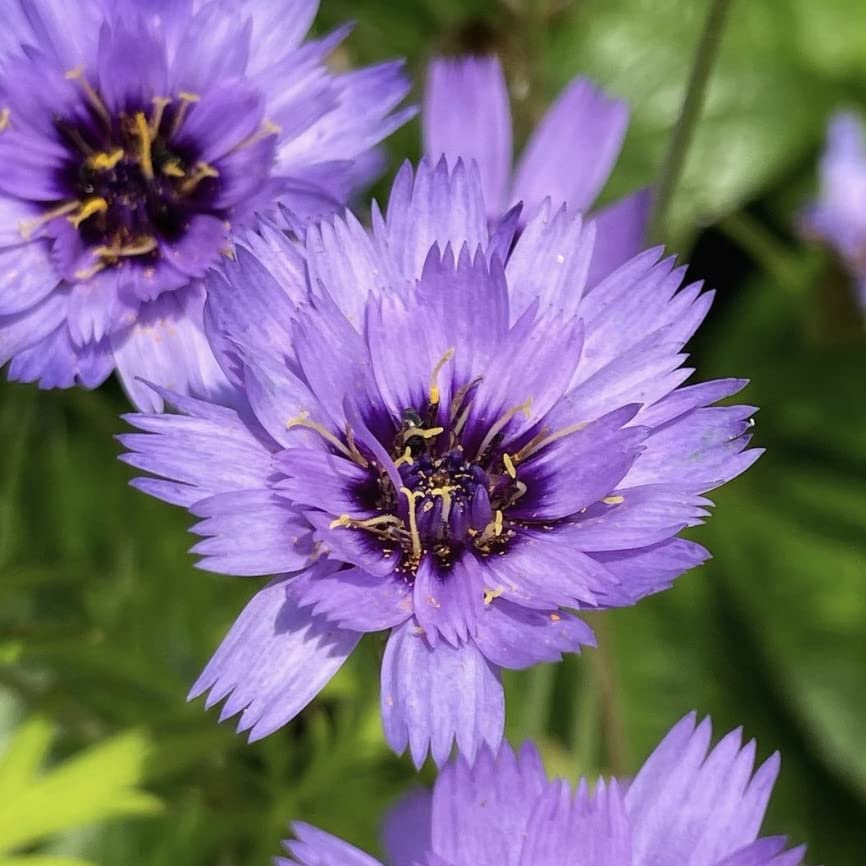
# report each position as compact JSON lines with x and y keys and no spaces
{"x":838,"y":217}
{"x":689,"y":805}
{"x":568,"y":158}
{"x":459,"y":450}
{"x":135,"y":136}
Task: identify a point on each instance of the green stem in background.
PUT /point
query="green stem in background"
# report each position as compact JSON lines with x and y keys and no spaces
{"x":606,"y":686}
{"x":765,"y":248}
{"x":586,"y":723}
{"x":536,"y":707}
{"x":675,"y":158}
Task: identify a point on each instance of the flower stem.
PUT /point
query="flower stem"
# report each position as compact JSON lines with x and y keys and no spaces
{"x":674,"y":161}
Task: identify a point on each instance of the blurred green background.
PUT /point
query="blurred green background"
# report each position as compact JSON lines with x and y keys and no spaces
{"x":104,"y":622}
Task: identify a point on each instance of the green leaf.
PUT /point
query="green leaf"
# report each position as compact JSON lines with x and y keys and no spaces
{"x":92,"y":786}
{"x":42,"y":860}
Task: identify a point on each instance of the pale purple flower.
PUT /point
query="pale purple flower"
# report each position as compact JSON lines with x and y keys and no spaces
{"x":443,"y":439}
{"x":838,"y":217}
{"x":689,"y":805}
{"x":135,"y":137}
{"x":568,"y":158}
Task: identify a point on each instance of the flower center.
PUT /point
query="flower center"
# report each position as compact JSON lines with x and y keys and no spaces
{"x":132,"y":183}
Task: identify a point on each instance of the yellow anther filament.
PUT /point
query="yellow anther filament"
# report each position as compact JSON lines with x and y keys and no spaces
{"x":160,"y":103}
{"x":200,"y":172}
{"x":509,"y":465}
{"x":4,"y":119}
{"x":613,"y":500}
{"x":88,"y":209}
{"x":490,"y":594}
{"x":105,"y":161}
{"x":445,"y":493}
{"x":342,"y":520}
{"x":27,"y":227}
{"x":499,"y":426}
{"x":186,"y":99}
{"x":266,"y":130}
{"x":172,"y":169}
{"x":93,"y":97}
{"x":543,"y":440}
{"x":413,"y":522}
{"x":87,"y":273}
{"x":497,"y":523}
{"x":405,"y":457}
{"x":141,"y":247}
{"x":145,"y":159}
{"x":434,"y":383}
{"x":303,"y":420}
{"x":429,"y":433}
{"x":353,"y":448}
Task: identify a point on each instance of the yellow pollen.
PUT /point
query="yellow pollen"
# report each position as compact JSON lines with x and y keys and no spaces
{"x":509,"y":465}
{"x":145,"y":159}
{"x":497,"y":523}
{"x":613,"y":500}
{"x":200,"y":172}
{"x":303,"y":420}
{"x":490,"y":594}
{"x":342,"y":520}
{"x":405,"y":457}
{"x":160,"y":103}
{"x":88,"y":209}
{"x":27,"y":227}
{"x":413,"y":522}
{"x":430,"y":433}
{"x":93,"y":97}
{"x":434,"y":385}
{"x":105,"y":161}
{"x":555,"y":617}
{"x":4,"y":119}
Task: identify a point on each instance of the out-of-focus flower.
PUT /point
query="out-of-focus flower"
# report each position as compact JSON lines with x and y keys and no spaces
{"x":568,"y":157}
{"x":444,"y":439}
{"x":135,"y":137}
{"x":838,"y":217}
{"x":688,"y":806}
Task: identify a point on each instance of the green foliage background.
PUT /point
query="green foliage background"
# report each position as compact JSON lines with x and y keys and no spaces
{"x":104,"y":622}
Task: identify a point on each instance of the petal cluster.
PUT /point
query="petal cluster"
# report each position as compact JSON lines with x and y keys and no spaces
{"x":135,"y":138}
{"x":446,"y":434}
{"x":690,"y":805}
{"x":838,"y":217}
{"x":568,"y":157}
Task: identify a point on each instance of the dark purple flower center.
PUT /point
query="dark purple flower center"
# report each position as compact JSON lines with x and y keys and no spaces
{"x":133,"y":180}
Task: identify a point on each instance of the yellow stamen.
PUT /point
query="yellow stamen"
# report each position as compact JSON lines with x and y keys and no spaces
{"x":543,"y":440}
{"x":497,"y":523}
{"x":88,"y":209}
{"x":140,"y":247}
{"x":145,"y":159}
{"x":434,"y":384}
{"x":500,"y":424}
{"x":172,"y":169}
{"x":200,"y":172}
{"x":93,"y":97}
{"x":555,"y":617}
{"x":186,"y":99}
{"x":4,"y":118}
{"x":303,"y":420}
{"x":266,"y":130}
{"x":342,"y":520}
{"x":413,"y":522}
{"x":105,"y":161}
{"x":429,"y":433}
{"x":160,"y":103}
{"x":353,"y":448}
{"x":613,"y":500}
{"x":509,"y":465}
{"x":490,"y":594}
{"x":445,"y":493}
{"x":405,"y":457}
{"x":27,"y":227}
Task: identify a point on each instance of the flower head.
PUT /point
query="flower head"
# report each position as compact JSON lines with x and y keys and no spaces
{"x":135,"y":137}
{"x":568,"y":158}
{"x":689,"y":805}
{"x":444,"y":439}
{"x":838,"y":217}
